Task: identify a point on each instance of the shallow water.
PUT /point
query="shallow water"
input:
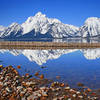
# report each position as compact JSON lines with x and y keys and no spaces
{"x":72,"y":65}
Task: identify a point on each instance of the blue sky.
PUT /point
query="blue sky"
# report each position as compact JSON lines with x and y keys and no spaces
{"x":72,"y":12}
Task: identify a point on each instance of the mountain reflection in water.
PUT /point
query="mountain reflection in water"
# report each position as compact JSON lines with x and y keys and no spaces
{"x":73,"y":65}
{"x":42,"y":56}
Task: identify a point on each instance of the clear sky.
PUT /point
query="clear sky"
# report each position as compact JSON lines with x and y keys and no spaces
{"x":72,"y":12}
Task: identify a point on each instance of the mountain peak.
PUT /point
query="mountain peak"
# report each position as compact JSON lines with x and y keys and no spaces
{"x":40,"y":26}
{"x":92,"y":20}
{"x":39,"y":14}
{"x":91,"y":27}
{"x":13,"y":24}
{"x":2,"y":28}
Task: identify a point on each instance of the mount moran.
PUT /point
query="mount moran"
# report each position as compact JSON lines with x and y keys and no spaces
{"x":39,"y":26}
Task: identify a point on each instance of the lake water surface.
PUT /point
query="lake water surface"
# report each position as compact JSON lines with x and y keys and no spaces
{"x":72,"y":65}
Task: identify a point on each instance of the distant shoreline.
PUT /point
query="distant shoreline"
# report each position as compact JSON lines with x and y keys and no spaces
{"x":45,"y":45}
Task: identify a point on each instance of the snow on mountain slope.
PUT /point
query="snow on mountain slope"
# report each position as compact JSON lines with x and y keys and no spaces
{"x":40,"y":23}
{"x":13,"y":52}
{"x":42,"y":56}
{"x":2,"y":28}
{"x":39,"y":56}
{"x":91,"y":53}
{"x":41,"y":26}
{"x":13,"y":30}
{"x":60,"y":30}
{"x":91,"y":27}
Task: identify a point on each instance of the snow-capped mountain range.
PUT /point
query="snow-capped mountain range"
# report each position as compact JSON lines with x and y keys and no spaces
{"x":42,"y":56}
{"x":40,"y":26}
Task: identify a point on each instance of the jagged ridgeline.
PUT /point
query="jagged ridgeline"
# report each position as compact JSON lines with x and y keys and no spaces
{"x":40,"y":26}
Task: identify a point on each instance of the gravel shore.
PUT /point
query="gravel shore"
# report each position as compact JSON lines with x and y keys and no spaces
{"x":16,"y":87}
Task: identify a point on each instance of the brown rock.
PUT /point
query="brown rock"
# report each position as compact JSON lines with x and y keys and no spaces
{"x":80,"y":84}
{"x":43,"y":98}
{"x":41,"y":76}
{"x":18,"y":67}
{"x":37,"y":73}
{"x":89,"y":90}
{"x":12,"y":98}
{"x":62,"y":84}
{"x":57,"y":77}
{"x":1,"y":66}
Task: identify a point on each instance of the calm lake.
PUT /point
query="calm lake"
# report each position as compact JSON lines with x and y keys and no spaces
{"x":72,"y":65}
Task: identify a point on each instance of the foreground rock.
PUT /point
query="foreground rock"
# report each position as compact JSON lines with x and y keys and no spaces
{"x":16,"y":87}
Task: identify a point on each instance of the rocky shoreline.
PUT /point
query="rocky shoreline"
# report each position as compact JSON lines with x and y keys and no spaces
{"x":16,"y":87}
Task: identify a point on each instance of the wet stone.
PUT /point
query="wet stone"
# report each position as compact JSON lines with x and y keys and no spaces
{"x":17,"y":87}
